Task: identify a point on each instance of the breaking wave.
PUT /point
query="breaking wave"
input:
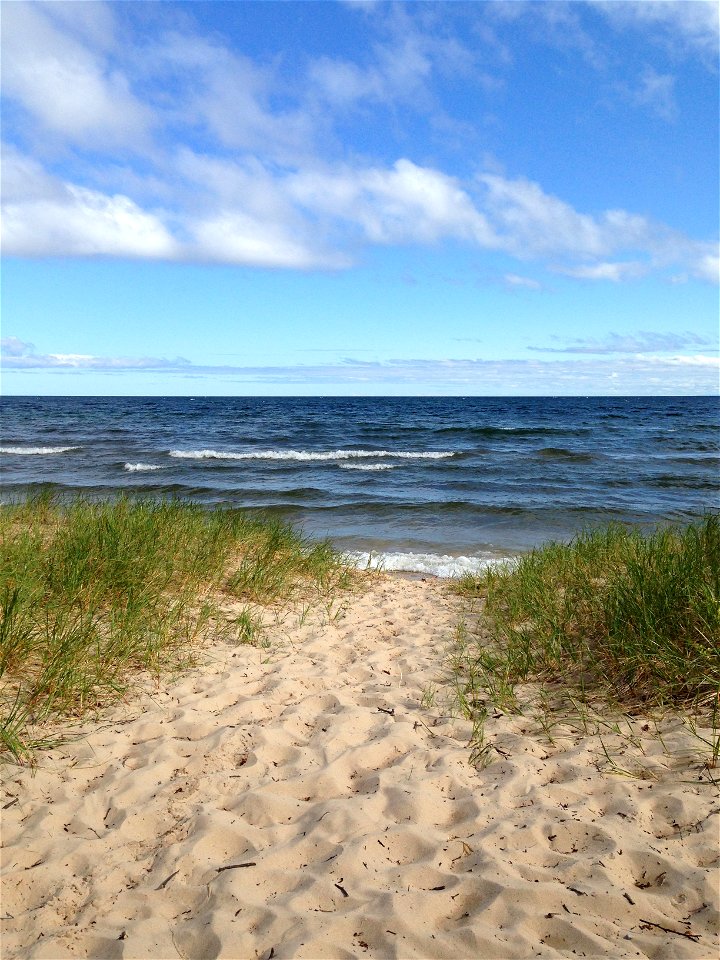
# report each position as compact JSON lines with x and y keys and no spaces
{"x":435,"y":564}
{"x":367,"y":466}
{"x":36,"y":451}
{"x":141,"y":467}
{"x":311,"y":455}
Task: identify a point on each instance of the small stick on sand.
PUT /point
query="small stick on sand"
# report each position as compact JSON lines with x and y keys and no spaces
{"x":236,"y":866}
{"x":167,"y":880}
{"x":680,"y":933}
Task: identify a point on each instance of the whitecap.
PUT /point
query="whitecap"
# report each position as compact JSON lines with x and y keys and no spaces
{"x":435,"y":564}
{"x":141,"y":467}
{"x":310,"y":455}
{"x":36,"y":451}
{"x":368,"y":466}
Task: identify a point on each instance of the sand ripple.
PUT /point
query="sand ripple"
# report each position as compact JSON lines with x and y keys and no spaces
{"x":300,"y":802}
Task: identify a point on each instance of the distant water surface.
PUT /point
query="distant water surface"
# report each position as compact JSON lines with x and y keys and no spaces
{"x":436,"y":484}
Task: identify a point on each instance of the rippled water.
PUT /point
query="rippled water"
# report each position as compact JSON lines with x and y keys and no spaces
{"x":431,"y":479}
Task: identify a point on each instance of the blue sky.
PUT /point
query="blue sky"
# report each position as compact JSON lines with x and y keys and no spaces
{"x":360,"y":197}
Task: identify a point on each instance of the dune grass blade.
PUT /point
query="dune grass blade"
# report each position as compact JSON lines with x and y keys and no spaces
{"x":612,"y":611}
{"x":93,"y":592}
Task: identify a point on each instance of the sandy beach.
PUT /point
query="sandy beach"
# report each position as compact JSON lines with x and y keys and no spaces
{"x":314,"y":798}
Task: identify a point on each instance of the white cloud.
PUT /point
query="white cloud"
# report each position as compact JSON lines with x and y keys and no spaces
{"x":231,"y":97}
{"x":526,"y":283}
{"x":93,"y":22}
{"x":399,"y":72}
{"x":693,"y":24}
{"x":18,"y":355}
{"x":235,"y":237}
{"x":419,"y":43}
{"x":69,"y":89}
{"x":246,"y":212}
{"x":693,"y":360}
{"x":406,"y":203}
{"x":244,"y":220}
{"x":656,"y":91}
{"x":14,"y":347}
{"x":614,"y":272}
{"x":532,"y":223}
{"x":260,"y":196}
{"x":43,"y":216}
{"x":638,"y":344}
{"x":686,"y":374}
{"x":707,"y":267}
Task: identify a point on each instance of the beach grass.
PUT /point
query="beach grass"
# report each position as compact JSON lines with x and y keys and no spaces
{"x":615,"y":616}
{"x":92,"y":593}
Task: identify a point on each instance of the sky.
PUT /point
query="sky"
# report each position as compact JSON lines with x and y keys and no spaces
{"x":360,"y":198}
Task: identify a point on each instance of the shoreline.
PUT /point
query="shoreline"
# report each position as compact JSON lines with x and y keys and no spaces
{"x":314,"y":797}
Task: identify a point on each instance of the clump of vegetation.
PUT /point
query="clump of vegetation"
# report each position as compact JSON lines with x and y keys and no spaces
{"x":91,"y":593}
{"x":634,"y":619}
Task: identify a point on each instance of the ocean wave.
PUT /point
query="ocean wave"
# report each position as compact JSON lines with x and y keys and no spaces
{"x":368,"y":466}
{"x":36,"y":451}
{"x":311,"y":455}
{"x":141,"y":467}
{"x":505,"y":432}
{"x":435,"y":564}
{"x":561,"y":453}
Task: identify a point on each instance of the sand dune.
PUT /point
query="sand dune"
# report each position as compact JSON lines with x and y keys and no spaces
{"x":305,"y":801}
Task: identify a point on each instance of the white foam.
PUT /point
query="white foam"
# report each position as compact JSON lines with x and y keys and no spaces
{"x":142,"y":467}
{"x":436,"y":564}
{"x":36,"y":451}
{"x":310,"y":454}
{"x":368,"y":466}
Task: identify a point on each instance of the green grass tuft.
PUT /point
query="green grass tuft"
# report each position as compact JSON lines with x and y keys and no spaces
{"x":92,"y":593}
{"x":634,"y":618}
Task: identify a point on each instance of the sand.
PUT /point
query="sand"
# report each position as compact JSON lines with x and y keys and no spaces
{"x":315,"y":799}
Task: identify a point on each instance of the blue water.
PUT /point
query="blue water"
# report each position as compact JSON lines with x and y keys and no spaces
{"x":417,"y":478}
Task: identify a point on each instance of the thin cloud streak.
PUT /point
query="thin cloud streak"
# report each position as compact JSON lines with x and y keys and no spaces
{"x":641,"y":343}
{"x":695,"y":373}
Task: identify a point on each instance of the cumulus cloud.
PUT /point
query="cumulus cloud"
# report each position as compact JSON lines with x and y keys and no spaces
{"x":242,"y":213}
{"x":70,"y":89}
{"x":248,"y":212}
{"x":44,"y":216}
{"x":397,"y":205}
{"x":259,"y":195}
{"x":707,"y":266}
{"x":235,"y":237}
{"x":531,"y":221}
